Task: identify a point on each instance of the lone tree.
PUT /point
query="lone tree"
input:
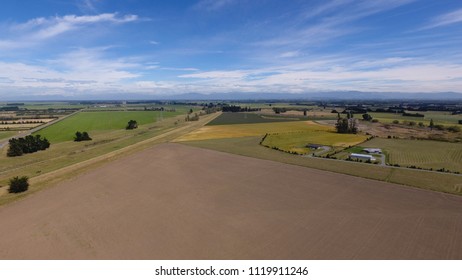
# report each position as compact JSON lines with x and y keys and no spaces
{"x":431,"y":124}
{"x":132,"y":124}
{"x":82,"y":136}
{"x":367,"y":117}
{"x":18,"y":184}
{"x":346,"y":125}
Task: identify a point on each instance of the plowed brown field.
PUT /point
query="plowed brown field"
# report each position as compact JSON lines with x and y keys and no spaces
{"x":178,"y":202}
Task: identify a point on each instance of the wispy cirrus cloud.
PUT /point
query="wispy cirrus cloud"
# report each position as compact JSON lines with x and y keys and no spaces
{"x":332,"y":20}
{"x":43,"y":28}
{"x":78,"y":70}
{"x":388,"y":74}
{"x":212,"y":5}
{"x":445,"y":19}
{"x":40,"y":29}
{"x":87,"y":5}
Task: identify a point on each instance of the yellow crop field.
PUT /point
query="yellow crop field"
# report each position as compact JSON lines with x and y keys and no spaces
{"x":255,"y":129}
{"x":297,"y":141}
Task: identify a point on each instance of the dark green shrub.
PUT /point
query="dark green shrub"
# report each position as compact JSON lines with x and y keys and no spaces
{"x":82,"y":136}
{"x":18,"y":184}
{"x":132,"y":124}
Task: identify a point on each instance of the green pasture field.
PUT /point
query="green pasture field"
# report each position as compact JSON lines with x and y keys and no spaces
{"x":297,"y":141}
{"x":444,"y":118}
{"x":420,"y":153}
{"x":249,"y":146}
{"x":244,"y":118}
{"x":6,"y":134}
{"x":100,"y":121}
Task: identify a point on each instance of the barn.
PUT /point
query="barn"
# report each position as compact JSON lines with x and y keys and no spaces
{"x":362,"y":157}
{"x":372,"y":151}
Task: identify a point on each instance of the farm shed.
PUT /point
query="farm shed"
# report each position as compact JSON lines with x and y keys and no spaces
{"x":314,"y":146}
{"x":373,"y":150}
{"x":361,"y":156}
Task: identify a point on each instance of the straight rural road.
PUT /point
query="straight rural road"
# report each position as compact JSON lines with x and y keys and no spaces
{"x":173,"y":201}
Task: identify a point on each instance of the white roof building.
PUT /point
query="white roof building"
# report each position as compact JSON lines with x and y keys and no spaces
{"x":361,"y":156}
{"x":373,"y":150}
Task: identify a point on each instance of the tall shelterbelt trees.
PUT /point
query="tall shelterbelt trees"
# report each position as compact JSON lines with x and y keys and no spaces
{"x":27,"y":145}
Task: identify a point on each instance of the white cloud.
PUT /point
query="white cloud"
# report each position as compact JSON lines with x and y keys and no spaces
{"x":239,"y":74}
{"x":446,"y":19}
{"x":87,"y":5}
{"x":290,"y":54}
{"x":311,"y":27}
{"x":180,"y":69}
{"x":213,"y":5}
{"x":390,"y":74}
{"x":47,"y":28}
{"x":40,"y":29}
{"x":78,"y":71}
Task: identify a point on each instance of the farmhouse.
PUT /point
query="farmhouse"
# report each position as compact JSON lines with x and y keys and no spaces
{"x":361,"y":156}
{"x":372,"y":151}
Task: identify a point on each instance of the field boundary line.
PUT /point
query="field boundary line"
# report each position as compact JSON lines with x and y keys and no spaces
{"x":51,"y":178}
{"x":123,"y":150}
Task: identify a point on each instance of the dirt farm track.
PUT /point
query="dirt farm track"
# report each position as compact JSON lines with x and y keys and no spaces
{"x":173,"y":201}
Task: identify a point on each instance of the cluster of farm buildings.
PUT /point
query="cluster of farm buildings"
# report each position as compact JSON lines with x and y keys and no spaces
{"x":364,"y":156}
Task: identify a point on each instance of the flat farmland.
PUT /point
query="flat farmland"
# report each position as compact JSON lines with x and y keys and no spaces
{"x":420,"y":153}
{"x":297,"y":141}
{"x":173,"y":201}
{"x":99,"y":121}
{"x":249,"y":146}
{"x":254,"y":129}
{"x":251,"y":117}
{"x":444,"y":118}
{"x":69,"y":153}
{"x":6,"y":134}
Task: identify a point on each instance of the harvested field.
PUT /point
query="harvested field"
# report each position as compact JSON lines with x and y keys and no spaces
{"x":178,"y":202}
{"x":249,"y":117}
{"x":253,"y":129}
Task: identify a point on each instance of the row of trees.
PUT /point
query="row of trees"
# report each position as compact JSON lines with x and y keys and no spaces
{"x":20,"y":122}
{"x":234,"y":109}
{"x":27,"y":145}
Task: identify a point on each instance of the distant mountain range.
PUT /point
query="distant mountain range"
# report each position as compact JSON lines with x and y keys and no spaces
{"x":330,"y":95}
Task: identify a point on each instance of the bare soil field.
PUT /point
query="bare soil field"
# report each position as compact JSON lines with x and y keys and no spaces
{"x":178,"y":202}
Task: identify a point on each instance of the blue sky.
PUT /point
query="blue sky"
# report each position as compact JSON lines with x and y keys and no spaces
{"x":83,"y":48}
